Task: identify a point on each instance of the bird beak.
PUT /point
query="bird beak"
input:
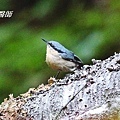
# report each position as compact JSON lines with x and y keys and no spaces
{"x":44,"y":40}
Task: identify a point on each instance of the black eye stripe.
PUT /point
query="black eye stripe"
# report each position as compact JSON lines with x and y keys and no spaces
{"x":55,"y":48}
{"x":51,"y":45}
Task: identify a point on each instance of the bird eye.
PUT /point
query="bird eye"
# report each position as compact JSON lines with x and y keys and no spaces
{"x":51,"y":44}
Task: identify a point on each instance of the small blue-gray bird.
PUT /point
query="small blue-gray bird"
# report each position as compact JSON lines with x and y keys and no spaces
{"x":60,"y":58}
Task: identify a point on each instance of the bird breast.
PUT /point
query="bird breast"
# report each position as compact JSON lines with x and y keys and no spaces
{"x":55,"y":61}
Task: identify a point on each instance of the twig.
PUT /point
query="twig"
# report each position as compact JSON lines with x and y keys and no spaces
{"x":70,"y":101}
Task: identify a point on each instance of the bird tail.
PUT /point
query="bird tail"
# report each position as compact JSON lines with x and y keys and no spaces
{"x":78,"y":61}
{"x":79,"y":65}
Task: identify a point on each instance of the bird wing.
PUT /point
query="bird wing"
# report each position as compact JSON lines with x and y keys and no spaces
{"x":68,"y":56}
{"x":73,"y":58}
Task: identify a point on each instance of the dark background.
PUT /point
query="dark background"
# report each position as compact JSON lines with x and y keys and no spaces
{"x":90,"y":28}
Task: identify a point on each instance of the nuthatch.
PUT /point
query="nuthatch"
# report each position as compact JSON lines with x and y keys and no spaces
{"x":60,"y":58}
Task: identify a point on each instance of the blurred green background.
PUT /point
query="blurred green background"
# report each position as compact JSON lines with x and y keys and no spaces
{"x":90,"y":28}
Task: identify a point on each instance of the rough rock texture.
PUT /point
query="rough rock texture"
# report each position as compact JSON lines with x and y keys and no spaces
{"x":92,"y":93}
